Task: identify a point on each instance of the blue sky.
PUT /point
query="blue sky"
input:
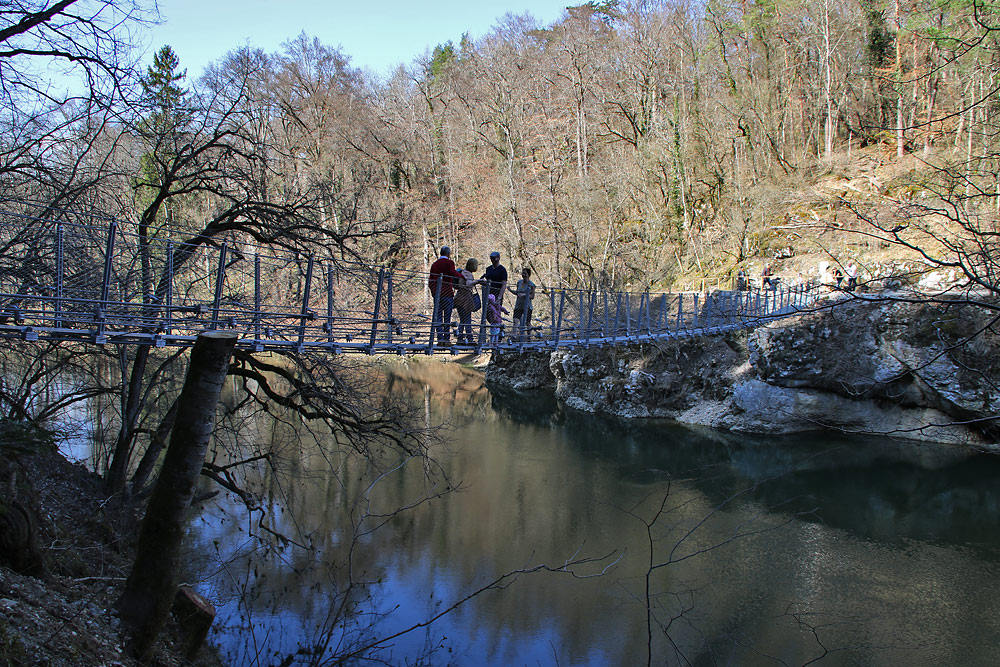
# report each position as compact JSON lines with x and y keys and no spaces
{"x":376,"y":34}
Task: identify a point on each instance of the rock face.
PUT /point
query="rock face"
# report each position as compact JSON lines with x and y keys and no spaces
{"x":902,"y":369}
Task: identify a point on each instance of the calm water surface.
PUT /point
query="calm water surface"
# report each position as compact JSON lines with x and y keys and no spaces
{"x":767,"y":551}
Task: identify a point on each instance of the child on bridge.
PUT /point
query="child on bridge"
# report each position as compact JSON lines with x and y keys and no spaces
{"x":494,"y":315}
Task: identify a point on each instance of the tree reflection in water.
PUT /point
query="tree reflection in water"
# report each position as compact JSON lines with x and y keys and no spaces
{"x":877,"y":550}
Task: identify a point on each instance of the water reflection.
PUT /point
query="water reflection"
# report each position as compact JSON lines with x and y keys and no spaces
{"x":886,"y":552}
{"x":872,"y":487}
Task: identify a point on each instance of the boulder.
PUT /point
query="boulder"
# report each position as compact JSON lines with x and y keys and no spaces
{"x":886,"y":366}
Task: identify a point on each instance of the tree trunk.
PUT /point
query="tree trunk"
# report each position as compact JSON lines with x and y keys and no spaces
{"x":195,"y":615}
{"x":151,"y":587}
{"x":828,"y":128}
{"x":118,"y":469}
{"x":900,"y":137}
{"x":156,"y":444}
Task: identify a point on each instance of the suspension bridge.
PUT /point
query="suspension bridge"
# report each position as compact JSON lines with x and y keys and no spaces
{"x":99,"y":282}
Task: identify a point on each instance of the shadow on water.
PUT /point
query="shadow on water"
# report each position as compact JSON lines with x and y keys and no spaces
{"x":873,"y":487}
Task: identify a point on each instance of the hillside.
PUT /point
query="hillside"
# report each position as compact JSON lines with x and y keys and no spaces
{"x":840,"y":211}
{"x":58,"y":602}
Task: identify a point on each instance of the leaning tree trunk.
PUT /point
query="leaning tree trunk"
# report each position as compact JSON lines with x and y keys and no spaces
{"x":151,"y":587}
{"x":131,"y":404}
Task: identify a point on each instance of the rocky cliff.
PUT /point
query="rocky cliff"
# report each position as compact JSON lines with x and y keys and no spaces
{"x":913,"y":370}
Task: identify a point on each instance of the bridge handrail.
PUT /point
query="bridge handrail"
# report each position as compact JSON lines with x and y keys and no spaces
{"x":100,"y":283}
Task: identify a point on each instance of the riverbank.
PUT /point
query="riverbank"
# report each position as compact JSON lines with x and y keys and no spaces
{"x":59,"y":610}
{"x":907,"y":369}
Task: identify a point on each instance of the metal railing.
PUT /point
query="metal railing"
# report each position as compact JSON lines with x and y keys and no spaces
{"x":81,"y":280}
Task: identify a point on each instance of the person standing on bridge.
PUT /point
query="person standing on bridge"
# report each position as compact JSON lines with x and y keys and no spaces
{"x":525,"y":293}
{"x":443,"y":277}
{"x":852,"y":275}
{"x":494,"y":315}
{"x":496,"y":274}
{"x":466,"y":300}
{"x":767,"y":280}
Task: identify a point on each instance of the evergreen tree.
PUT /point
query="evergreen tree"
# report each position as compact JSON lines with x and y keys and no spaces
{"x":161,"y":86}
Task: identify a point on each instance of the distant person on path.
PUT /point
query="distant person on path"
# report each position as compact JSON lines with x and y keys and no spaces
{"x":443,"y":272}
{"x":525,"y":293}
{"x":494,"y":315}
{"x":765,"y":277}
{"x":852,"y":276}
{"x":465,"y":301}
{"x":741,"y":280}
{"x":838,"y":275}
{"x":496,"y":274}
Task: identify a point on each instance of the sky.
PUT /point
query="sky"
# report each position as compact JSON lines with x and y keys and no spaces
{"x":376,"y":34}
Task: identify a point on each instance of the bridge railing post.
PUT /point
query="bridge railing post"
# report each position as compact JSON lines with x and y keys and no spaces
{"x":388,"y":309}
{"x":591,"y":305}
{"x":60,"y":270}
{"x":306,"y":314}
{"x":329,"y":304}
{"x":628,"y":316}
{"x":482,"y":317}
{"x":664,"y":305}
{"x":558,"y":321}
{"x":521,"y":327}
{"x":680,"y":311}
{"x":220,"y":278}
{"x":378,"y":302}
{"x":522,"y":321}
{"x":645,"y":312}
{"x":606,"y":311}
{"x":552,"y":314}
{"x":434,"y":313}
{"x":256,"y":297}
{"x":162,"y":298}
{"x":109,"y":252}
{"x":168,"y":290}
{"x":618,"y":313}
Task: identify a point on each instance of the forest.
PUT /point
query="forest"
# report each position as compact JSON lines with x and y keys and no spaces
{"x":645,"y":144}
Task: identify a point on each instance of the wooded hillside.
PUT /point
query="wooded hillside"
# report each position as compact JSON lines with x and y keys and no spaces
{"x":650,"y":143}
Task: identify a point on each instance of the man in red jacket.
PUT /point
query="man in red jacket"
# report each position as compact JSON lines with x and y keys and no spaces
{"x":443,"y":270}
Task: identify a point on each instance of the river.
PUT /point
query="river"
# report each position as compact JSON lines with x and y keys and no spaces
{"x":748,"y":550}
